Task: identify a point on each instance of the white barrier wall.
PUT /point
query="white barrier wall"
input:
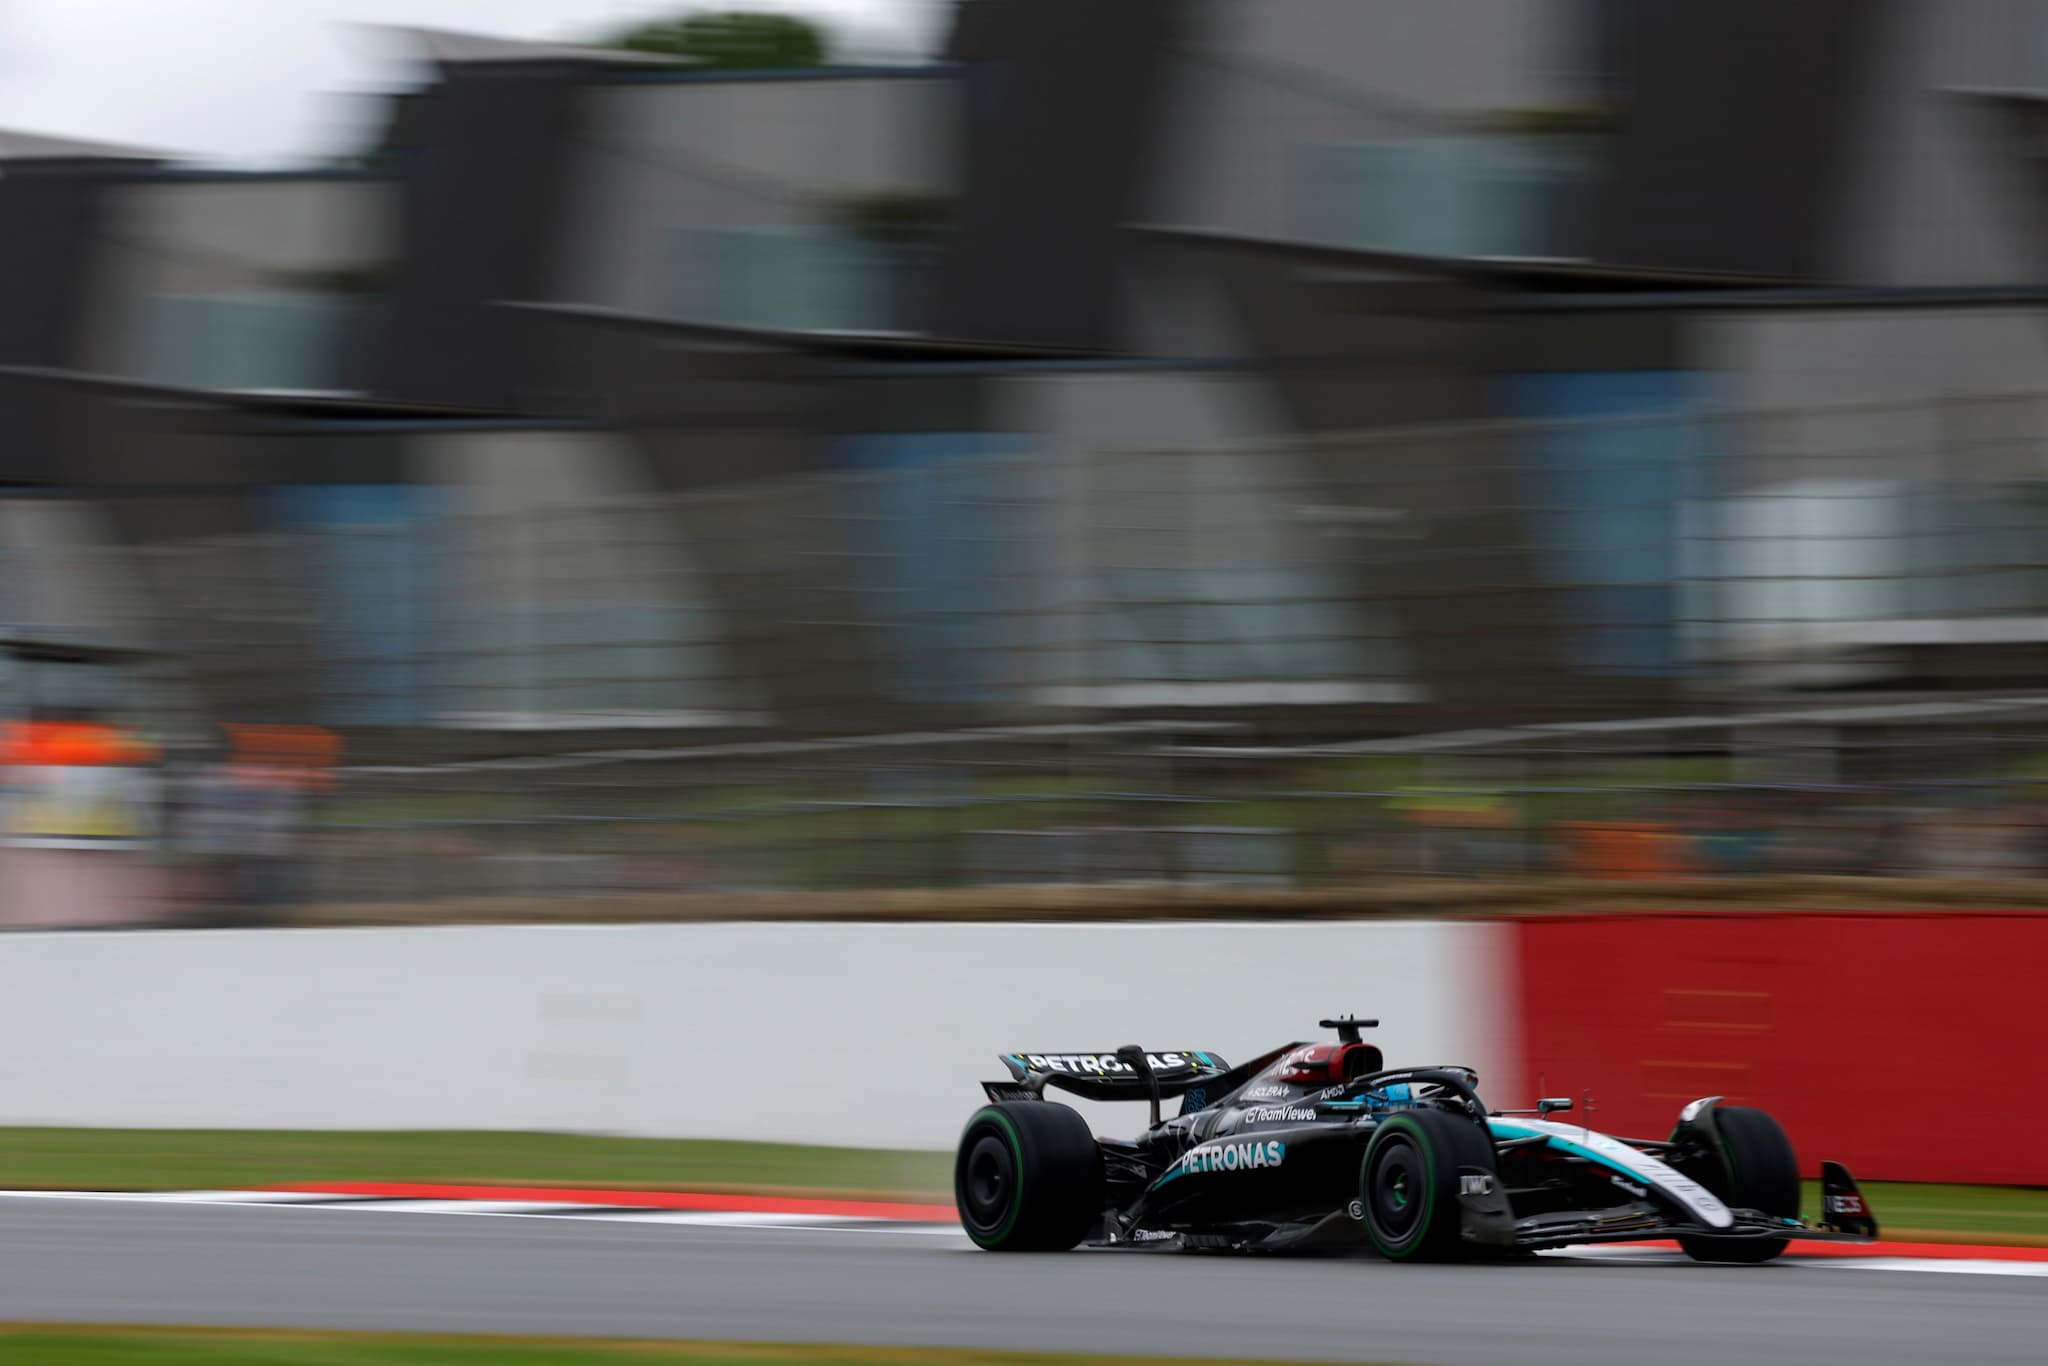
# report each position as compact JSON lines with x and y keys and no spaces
{"x":848,"y":1034}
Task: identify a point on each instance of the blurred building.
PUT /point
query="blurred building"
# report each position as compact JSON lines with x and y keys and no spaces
{"x":1337,"y":367}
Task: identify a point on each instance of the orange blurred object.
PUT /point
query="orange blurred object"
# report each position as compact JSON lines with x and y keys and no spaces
{"x":307,"y":752}
{"x":71,"y":744}
{"x":1620,"y":849}
{"x":312,"y":746}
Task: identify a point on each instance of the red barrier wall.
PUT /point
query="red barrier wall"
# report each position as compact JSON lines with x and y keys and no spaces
{"x":1911,"y":1047}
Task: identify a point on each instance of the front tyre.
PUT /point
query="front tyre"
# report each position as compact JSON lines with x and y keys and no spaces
{"x":1408,"y":1184}
{"x":1758,"y":1170}
{"x":1028,"y":1177}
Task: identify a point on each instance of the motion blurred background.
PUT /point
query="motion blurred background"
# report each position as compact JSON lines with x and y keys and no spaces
{"x":1243,"y":457}
{"x":603,"y":601}
{"x":1273,"y":444}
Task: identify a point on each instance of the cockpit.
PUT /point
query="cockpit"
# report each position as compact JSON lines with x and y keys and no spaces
{"x":1326,"y":1064}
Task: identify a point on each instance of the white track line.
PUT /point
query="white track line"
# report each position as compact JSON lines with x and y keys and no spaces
{"x":1959,"y":1266}
{"x":228,"y":1197}
{"x":396,"y":1206}
{"x":709,"y":1218}
{"x":1594,"y":1253}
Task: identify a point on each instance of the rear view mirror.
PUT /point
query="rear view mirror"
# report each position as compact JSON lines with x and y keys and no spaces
{"x":1553,"y":1104}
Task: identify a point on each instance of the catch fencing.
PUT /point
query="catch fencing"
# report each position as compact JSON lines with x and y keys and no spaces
{"x":1689,"y":641}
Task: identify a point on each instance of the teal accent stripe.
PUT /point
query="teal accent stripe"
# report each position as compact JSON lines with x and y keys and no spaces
{"x":1564,"y":1145}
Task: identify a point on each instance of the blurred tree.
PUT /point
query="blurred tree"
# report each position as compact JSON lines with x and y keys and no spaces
{"x":731,"y":40}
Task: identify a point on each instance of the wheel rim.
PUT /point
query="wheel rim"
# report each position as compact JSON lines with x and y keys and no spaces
{"x":989,"y":1179}
{"x":1396,"y":1193}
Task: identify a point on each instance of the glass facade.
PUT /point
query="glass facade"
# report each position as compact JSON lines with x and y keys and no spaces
{"x":942,"y":525}
{"x":1609,"y":460}
{"x":578,"y":611}
{"x":264,"y":341}
{"x":367,"y":559}
{"x":1845,"y":563}
{"x":800,"y":279}
{"x":1464,"y":195}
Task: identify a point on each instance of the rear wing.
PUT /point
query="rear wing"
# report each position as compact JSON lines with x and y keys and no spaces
{"x":1105,"y":1076}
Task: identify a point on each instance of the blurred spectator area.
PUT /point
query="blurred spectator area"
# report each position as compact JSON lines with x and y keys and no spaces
{"x":1007,"y":657}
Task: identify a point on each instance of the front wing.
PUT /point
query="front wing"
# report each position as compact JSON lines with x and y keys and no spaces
{"x":1648,"y":1224}
{"x":1489,"y":1221}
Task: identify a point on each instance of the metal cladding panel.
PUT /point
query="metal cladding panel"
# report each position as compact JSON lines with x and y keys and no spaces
{"x":1648,"y":1012}
{"x":1384,"y":353}
{"x":48,"y":239}
{"x":484,"y":205}
{"x":1881,"y":395}
{"x":49,"y":220}
{"x":1062,"y":102}
{"x":1268,"y":97}
{"x":1379,"y":352}
{"x":1732,"y":153}
{"x":677,"y":184}
{"x":167,"y":518}
{"x":1401,"y":55}
{"x":720,"y":455}
{"x":201,"y":279}
{"x":1538,"y":343}
{"x":1945,"y":166}
{"x":652,"y":383}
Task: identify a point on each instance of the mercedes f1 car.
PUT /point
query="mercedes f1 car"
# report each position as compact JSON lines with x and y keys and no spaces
{"x":1319,"y":1145}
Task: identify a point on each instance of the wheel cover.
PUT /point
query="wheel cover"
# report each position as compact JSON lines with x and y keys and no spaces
{"x":991,"y":1181}
{"x":1395,"y":1196}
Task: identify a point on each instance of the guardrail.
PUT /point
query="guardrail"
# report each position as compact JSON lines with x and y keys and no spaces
{"x":1906,"y":1045}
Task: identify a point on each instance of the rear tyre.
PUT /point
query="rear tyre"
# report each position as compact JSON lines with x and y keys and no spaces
{"x":1028,"y":1177}
{"x":1408,"y":1184}
{"x":1758,"y":1170}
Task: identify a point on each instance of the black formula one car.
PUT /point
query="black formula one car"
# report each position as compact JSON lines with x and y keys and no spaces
{"x":1318,"y":1145}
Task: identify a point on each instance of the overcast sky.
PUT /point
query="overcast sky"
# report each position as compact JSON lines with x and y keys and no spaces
{"x":263,"y":81}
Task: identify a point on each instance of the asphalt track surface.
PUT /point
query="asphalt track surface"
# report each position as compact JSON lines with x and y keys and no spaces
{"x":332,"y":1268}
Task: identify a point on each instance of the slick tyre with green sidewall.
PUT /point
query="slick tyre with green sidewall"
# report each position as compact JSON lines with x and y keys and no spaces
{"x":1408,"y":1184}
{"x":1028,"y":1177}
{"x":1757,"y":1170}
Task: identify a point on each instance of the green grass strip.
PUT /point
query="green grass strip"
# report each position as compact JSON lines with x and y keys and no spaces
{"x":202,"y":1159}
{"x":1936,"y":1213}
{"x":65,"y":1345}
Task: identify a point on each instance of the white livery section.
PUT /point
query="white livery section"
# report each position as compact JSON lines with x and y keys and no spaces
{"x":1634,"y":1163}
